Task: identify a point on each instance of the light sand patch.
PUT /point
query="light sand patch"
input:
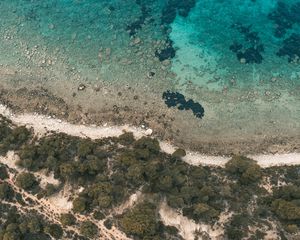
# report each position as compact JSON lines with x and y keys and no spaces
{"x":46,"y":178}
{"x":10,"y":160}
{"x":188,"y":227}
{"x":133,"y":199}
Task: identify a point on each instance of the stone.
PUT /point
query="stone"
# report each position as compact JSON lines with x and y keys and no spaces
{"x":243,"y":60}
{"x":149,"y":132}
{"x":81,"y":87}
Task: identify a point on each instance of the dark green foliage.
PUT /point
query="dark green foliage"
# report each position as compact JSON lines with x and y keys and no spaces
{"x":179,"y":153}
{"x":98,"y":215}
{"x":54,"y":230}
{"x":11,"y":137}
{"x":108,"y":223}
{"x":3,"y":172}
{"x":140,"y":222}
{"x":79,"y":205}
{"x":244,"y":169}
{"x":237,"y":227}
{"x":288,"y":192}
{"x":6,"y":191}
{"x":58,"y":153}
{"x":89,"y":229}
{"x":201,"y":211}
{"x":286,"y":210}
{"x":126,"y":139}
{"x":26,"y":180}
{"x":67,"y":219}
{"x":22,"y":227}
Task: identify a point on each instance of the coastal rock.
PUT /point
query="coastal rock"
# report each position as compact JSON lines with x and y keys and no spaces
{"x":81,"y":87}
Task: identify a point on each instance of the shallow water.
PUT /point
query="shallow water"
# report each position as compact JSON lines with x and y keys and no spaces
{"x":238,"y":59}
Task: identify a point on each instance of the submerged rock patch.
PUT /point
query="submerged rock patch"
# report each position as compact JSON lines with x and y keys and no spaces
{"x":285,"y":17}
{"x":291,"y":48}
{"x":176,"y":99}
{"x":137,"y":25}
{"x":168,"y":52}
{"x":251,"y":50}
{"x":176,"y":6}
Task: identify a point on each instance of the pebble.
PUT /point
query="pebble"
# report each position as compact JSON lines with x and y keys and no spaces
{"x":149,"y":132}
{"x":243,"y":60}
{"x":81,"y":87}
{"x":166,"y":62}
{"x":136,"y":41}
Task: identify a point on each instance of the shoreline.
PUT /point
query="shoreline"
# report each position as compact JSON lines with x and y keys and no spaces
{"x":42,"y":124}
{"x":171,"y":125}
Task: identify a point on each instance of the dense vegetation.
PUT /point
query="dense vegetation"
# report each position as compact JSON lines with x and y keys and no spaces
{"x":109,"y":170}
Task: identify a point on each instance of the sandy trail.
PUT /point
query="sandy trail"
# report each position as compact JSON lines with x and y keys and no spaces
{"x":42,"y":124}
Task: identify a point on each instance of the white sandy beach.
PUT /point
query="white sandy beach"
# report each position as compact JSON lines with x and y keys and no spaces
{"x":42,"y":124}
{"x":60,"y":202}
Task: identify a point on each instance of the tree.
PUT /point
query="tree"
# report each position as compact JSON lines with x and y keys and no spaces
{"x":5,"y":191}
{"x":79,"y":204}
{"x":67,"y":219}
{"x":88,"y":229}
{"x":140,"y":221}
{"x":26,"y":181}
{"x":286,"y":210}
{"x":3,"y":172}
{"x":245,"y":169}
{"x":54,"y":230}
{"x":179,"y":153}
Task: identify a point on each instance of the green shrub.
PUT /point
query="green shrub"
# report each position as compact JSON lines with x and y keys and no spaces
{"x":89,"y":229}
{"x":26,"y":181}
{"x":67,"y":219}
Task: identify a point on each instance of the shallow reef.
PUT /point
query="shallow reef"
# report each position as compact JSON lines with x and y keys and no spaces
{"x":137,"y":25}
{"x":168,"y":52}
{"x":285,"y":17}
{"x":250,"y":51}
{"x":291,"y":48}
{"x":174,"y":7}
{"x":175,"y":99}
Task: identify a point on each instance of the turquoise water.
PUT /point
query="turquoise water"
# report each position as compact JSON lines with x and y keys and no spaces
{"x":77,"y":30}
{"x":236,"y":58}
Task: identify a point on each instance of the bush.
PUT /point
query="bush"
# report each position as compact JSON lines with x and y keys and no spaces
{"x":3,"y":172}
{"x":140,"y":221}
{"x":79,"y":204}
{"x":179,"y":153}
{"x":54,"y":230}
{"x":245,"y":169}
{"x":26,"y":181}
{"x":5,"y":191}
{"x":286,"y":210}
{"x":89,"y":229}
{"x":67,"y":219}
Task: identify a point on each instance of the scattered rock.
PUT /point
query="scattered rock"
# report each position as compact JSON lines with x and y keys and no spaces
{"x":136,"y":41}
{"x":243,"y":60}
{"x":150,"y":74}
{"x":149,"y":132}
{"x":81,"y":87}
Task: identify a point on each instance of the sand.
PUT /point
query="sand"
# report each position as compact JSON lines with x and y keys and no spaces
{"x":42,"y":124}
